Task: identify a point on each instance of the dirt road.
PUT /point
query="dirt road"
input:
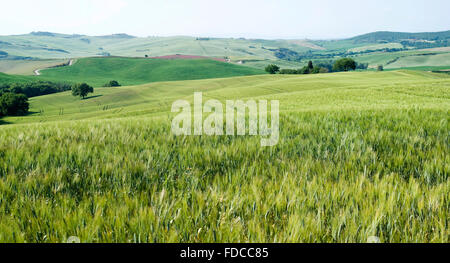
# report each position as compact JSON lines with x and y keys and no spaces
{"x":37,"y":72}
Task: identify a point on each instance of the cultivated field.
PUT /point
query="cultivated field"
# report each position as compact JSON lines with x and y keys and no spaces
{"x":422,"y":61}
{"x":405,"y":59}
{"x":131,"y":71}
{"x":376,"y":47}
{"x":27,"y":67}
{"x":71,"y":46}
{"x":256,"y":53}
{"x":360,"y":154}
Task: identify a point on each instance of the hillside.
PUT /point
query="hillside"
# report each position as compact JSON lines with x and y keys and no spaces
{"x":357,"y":152}
{"x":51,"y":45}
{"x":27,"y":67}
{"x":8,"y":79}
{"x":319,"y":92}
{"x":131,"y":71}
{"x":421,"y":60}
{"x":128,"y":71}
{"x":256,"y":53}
{"x":385,"y":36}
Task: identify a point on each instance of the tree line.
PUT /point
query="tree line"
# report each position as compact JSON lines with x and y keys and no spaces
{"x":344,"y":64}
{"x":291,"y":55}
{"x":34,"y":89}
{"x":14,"y":97}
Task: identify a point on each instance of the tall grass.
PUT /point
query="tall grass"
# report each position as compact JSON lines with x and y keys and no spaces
{"x":341,"y":172}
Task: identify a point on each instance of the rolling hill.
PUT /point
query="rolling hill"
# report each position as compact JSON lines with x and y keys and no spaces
{"x":386,"y":36}
{"x":256,"y":53}
{"x":322,"y":92}
{"x":422,"y":60}
{"x":9,"y":79}
{"x":360,"y":154}
{"x":132,"y":71}
{"x":51,"y":45}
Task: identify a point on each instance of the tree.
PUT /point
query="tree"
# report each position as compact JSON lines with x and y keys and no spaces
{"x":112,"y":83}
{"x":316,"y":70}
{"x":82,"y":90}
{"x":380,"y":68}
{"x":16,"y":88}
{"x":12,"y":104}
{"x":362,"y":65}
{"x":327,"y":65}
{"x":310,"y":65}
{"x":344,"y":64}
{"x":304,"y":70}
{"x":272,"y":69}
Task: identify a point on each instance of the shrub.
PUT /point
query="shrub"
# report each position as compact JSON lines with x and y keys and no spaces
{"x":362,"y":65}
{"x":112,"y":83}
{"x":323,"y":70}
{"x":288,"y":71}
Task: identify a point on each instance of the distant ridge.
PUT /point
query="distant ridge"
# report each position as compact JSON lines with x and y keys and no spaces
{"x":389,"y":36}
{"x":257,"y":53}
{"x":121,"y":35}
{"x":43,"y":34}
{"x":399,"y":36}
{"x":50,"y":34}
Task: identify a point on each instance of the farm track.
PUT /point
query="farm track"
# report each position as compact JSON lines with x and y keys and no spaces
{"x":37,"y":72}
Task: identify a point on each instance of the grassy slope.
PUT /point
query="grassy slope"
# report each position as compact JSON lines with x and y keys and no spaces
{"x":415,"y":57}
{"x":255,"y":52}
{"x":86,"y":46}
{"x":376,"y":47}
{"x":129,"y":71}
{"x":360,"y":154}
{"x":6,"y":78}
{"x":158,"y":97}
{"x":399,"y":36}
{"x":341,"y":45}
{"x":422,"y":61}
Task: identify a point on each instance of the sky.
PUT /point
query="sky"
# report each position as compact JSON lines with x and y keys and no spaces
{"x":324,"y":19}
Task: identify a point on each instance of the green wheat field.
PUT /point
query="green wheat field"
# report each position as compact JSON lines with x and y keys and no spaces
{"x":360,"y":154}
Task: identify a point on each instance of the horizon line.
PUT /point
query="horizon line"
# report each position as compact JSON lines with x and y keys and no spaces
{"x":221,"y":37}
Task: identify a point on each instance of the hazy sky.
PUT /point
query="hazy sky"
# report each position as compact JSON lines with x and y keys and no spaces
{"x":225,"y":18}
